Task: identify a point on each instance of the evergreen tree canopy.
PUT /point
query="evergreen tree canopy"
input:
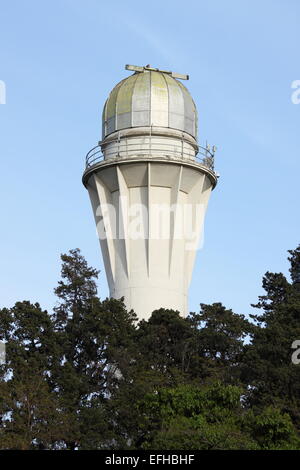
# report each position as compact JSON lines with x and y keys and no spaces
{"x":90,"y":376}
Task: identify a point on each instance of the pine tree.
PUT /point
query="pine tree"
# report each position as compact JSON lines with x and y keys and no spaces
{"x":95,"y":341}
{"x":29,"y":409}
{"x":220,"y":341}
{"x":268,"y":368}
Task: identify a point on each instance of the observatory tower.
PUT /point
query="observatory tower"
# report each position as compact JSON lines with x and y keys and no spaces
{"x":149,"y":183}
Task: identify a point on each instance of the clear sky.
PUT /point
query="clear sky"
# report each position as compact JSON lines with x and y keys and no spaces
{"x":59,"y":59}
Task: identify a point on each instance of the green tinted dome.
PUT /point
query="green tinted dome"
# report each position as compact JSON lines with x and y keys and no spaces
{"x":149,"y":98}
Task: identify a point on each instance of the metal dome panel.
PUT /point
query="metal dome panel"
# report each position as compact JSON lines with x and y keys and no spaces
{"x":141,"y":104}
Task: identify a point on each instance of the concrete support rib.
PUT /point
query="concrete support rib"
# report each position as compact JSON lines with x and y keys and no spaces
{"x":198,"y":198}
{"x":107,"y":227}
{"x":174,"y":216}
{"x":107,"y":257}
{"x":148,"y":242}
{"x":123,"y":220}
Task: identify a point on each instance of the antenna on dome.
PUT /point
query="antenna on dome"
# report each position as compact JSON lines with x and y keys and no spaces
{"x":137,"y":68}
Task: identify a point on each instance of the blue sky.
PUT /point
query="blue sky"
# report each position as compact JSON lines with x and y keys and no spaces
{"x":59,"y":59}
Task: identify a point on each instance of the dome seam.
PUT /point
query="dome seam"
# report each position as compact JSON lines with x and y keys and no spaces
{"x":168,"y":98}
{"x":131,"y":105}
{"x":150,"y":107}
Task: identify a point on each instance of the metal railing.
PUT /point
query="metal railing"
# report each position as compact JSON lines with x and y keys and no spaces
{"x":125,"y":149}
{"x":94,"y":156}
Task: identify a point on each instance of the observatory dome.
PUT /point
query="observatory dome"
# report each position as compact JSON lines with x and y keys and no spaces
{"x":149,"y":98}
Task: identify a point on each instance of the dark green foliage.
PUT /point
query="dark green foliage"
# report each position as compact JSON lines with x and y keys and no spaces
{"x":95,"y":339}
{"x":219,"y":336}
{"x":213,"y":417}
{"x":30,"y":410}
{"x":272,"y":429}
{"x":90,"y":376}
{"x":267,"y":366}
{"x":294,"y":260}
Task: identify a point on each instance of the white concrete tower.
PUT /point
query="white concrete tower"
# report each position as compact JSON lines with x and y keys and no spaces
{"x":149,"y":190}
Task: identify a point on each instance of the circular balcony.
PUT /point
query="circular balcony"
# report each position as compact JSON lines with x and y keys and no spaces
{"x":126,"y":149}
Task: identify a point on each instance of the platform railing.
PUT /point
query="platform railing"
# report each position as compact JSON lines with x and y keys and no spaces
{"x":125,"y":149}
